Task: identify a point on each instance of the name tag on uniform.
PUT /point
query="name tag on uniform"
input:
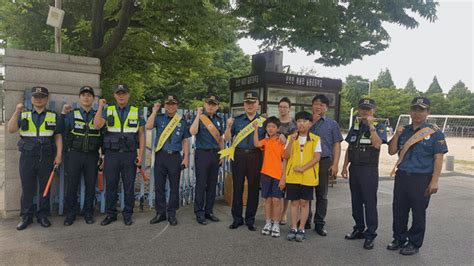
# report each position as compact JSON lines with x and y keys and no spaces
{"x":365,"y":141}
{"x":79,"y":126}
{"x":132,"y":122}
{"x":50,"y":123}
{"x":353,"y":138}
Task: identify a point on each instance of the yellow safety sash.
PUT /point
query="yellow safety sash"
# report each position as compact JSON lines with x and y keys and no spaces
{"x":168,"y":131}
{"x":211,"y":128}
{"x":417,"y":137}
{"x":247,"y":130}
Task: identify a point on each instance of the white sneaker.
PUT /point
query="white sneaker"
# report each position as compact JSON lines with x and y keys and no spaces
{"x":267,"y":229}
{"x":275,"y":230}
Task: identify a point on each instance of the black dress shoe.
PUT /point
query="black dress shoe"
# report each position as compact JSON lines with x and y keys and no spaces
{"x":44,"y":222}
{"x":24,"y":223}
{"x":173,"y":221}
{"x":409,"y":249}
{"x":69,"y":220}
{"x":158,"y":218}
{"x":89,"y":219}
{"x":201,"y":220}
{"x":395,"y":245}
{"x":252,"y":227}
{"x":235,"y":225}
{"x":127,"y":220}
{"x":212,"y":217}
{"x":321,"y":231}
{"x":369,"y":243}
{"x":108,"y":220}
{"x":356,"y":234}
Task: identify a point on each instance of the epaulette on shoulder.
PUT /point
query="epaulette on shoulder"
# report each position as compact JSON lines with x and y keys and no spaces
{"x":434,"y":127}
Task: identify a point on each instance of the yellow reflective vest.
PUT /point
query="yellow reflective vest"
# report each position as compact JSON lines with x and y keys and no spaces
{"x":310,"y":177}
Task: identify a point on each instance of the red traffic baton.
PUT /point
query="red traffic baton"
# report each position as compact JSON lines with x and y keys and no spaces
{"x":50,"y":180}
{"x":142,"y":173}
{"x":100,"y":181}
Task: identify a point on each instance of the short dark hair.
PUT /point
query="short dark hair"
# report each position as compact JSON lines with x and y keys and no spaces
{"x":322,"y":98}
{"x":286,"y":100}
{"x":273,"y":120}
{"x":304,"y":115}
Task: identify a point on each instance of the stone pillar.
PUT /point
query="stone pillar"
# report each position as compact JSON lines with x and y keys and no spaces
{"x":63,"y":75}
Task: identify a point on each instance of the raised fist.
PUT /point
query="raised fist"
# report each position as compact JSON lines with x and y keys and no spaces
{"x":66,"y":108}
{"x":199,"y":111}
{"x":19,"y":107}
{"x":102,"y":103}
{"x":157,"y":106}
{"x":230,"y":121}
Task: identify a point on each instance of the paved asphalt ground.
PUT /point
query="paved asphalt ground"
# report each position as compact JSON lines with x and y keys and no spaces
{"x":449,"y":239}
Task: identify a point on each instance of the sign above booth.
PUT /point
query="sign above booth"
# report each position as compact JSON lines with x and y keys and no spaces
{"x":284,"y":79}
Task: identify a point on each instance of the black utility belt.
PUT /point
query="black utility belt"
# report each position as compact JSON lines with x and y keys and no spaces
{"x":209,"y":150}
{"x":84,"y":151}
{"x":325,"y":158}
{"x":240,"y":150}
{"x":414,"y":174}
{"x":169,"y":152}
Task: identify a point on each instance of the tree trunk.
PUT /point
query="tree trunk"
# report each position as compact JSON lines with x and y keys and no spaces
{"x":100,"y":49}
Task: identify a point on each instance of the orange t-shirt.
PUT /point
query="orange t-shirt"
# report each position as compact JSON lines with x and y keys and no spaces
{"x":273,"y":152}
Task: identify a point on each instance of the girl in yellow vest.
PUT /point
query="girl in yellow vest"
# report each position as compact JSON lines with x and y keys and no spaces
{"x":302,"y":152}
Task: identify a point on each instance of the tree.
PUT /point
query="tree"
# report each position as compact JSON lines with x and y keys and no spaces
{"x":384,"y":79}
{"x":151,"y":43}
{"x":339,"y":31}
{"x":355,"y":88}
{"x":410,"y":88}
{"x":434,"y":87}
{"x":461,"y":100}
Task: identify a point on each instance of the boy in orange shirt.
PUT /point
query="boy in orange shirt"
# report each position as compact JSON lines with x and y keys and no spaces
{"x":273,"y":152}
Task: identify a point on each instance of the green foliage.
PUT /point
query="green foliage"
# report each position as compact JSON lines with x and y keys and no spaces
{"x":461,"y":100}
{"x":384,"y":79}
{"x":340,"y":31}
{"x":434,"y":87}
{"x":410,"y":88}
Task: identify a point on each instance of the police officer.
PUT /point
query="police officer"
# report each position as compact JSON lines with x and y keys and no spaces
{"x":421,"y":147}
{"x":82,"y":143}
{"x":208,"y":128}
{"x":40,"y":147}
{"x":247,"y":163}
{"x":365,"y":139}
{"x":171,"y":138}
{"x":124,"y":134}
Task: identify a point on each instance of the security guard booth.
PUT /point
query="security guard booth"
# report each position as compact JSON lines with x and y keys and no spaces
{"x":272,"y":86}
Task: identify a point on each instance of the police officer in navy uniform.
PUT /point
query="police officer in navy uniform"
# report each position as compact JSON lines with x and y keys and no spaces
{"x":365,"y":139}
{"x":417,"y":176}
{"x":41,"y":150}
{"x":207,"y":160}
{"x":82,"y":143}
{"x":247,"y":163}
{"x":124,"y":134}
{"x":168,"y":159}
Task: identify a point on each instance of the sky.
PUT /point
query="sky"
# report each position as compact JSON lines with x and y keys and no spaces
{"x":443,"y":48}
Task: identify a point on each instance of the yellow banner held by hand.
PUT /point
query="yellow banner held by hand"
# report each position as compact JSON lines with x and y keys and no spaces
{"x":247,"y":130}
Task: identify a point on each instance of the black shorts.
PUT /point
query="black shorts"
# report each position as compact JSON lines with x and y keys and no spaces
{"x":299,"y":192}
{"x":270,"y":188}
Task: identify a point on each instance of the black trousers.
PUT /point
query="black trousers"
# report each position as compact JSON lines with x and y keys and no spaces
{"x":167,"y":166}
{"x":80,"y":164}
{"x":321,"y":192}
{"x":207,"y":170}
{"x":364,"y":182}
{"x":408,"y":194}
{"x":120,"y":165}
{"x":246,"y":165}
{"x":34,"y":171}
